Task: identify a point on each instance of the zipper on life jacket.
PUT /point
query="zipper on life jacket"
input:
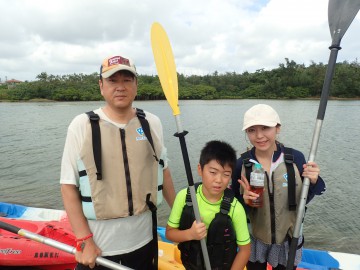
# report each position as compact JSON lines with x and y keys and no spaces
{"x":272,"y":207}
{"x":127,"y":172}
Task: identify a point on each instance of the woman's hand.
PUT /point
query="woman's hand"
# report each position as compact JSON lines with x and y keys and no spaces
{"x":247,"y":195}
{"x":312,"y":171}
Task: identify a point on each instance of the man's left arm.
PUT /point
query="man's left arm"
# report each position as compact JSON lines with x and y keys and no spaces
{"x":168,"y":187}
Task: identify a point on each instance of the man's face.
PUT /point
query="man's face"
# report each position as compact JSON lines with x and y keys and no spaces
{"x":119,"y":90}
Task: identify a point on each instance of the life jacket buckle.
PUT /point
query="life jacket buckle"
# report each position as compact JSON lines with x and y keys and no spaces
{"x":247,"y":163}
{"x":225,"y":205}
{"x":289,"y":159}
{"x":94,"y":117}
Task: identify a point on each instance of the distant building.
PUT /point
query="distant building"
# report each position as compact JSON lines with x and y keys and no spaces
{"x":12,"y":83}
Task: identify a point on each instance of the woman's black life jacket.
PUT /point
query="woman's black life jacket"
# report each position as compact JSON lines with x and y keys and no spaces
{"x":221,"y":237}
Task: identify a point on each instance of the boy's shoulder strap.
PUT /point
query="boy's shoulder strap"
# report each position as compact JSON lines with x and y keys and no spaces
{"x":187,"y":215}
{"x":226,"y":201}
{"x":146,"y":128}
{"x":289,"y":163}
{"x":188,"y":200}
{"x":96,"y":141}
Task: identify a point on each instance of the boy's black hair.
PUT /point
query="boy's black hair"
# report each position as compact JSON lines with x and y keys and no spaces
{"x":220,"y":151}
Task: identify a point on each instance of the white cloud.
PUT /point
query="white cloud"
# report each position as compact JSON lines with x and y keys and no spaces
{"x":66,"y":36}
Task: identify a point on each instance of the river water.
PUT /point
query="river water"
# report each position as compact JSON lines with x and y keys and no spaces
{"x":32,"y":137}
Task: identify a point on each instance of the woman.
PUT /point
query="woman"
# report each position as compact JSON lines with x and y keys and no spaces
{"x":273,"y":223}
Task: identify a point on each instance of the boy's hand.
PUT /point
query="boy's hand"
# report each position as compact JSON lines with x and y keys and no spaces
{"x":248,"y":195}
{"x":198,"y":230}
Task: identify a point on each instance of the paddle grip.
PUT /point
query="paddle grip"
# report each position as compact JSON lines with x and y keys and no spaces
{"x":185,"y":154}
{"x":9,"y":227}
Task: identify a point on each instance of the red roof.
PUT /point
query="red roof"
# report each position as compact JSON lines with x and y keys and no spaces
{"x":13,"y":81}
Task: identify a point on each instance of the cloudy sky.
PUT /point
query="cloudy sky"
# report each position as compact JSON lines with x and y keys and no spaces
{"x":73,"y":36}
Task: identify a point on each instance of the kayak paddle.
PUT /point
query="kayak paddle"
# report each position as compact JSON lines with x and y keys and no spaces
{"x":340,"y":15}
{"x":165,"y":65}
{"x":61,"y":246}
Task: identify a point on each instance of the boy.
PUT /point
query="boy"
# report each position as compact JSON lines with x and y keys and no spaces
{"x":217,"y":161}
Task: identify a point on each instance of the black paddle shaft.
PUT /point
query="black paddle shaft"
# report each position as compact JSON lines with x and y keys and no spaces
{"x":327,"y":81}
{"x":185,"y":154}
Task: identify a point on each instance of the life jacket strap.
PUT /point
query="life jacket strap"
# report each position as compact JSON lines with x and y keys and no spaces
{"x":289,"y":162}
{"x":96,"y":141}
{"x":82,"y":173}
{"x":86,"y":198}
{"x":299,"y":246}
{"x":225,"y":206}
{"x":146,"y":128}
{"x":247,"y":164}
{"x":188,"y":200}
{"x":153,"y":210}
{"x":226,"y":201}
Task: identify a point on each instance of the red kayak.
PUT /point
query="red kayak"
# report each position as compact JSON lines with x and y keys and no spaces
{"x":16,"y":250}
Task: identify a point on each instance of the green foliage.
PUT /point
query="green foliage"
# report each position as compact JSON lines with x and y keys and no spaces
{"x":149,"y":89}
{"x":289,"y":81}
{"x":197,"y":92}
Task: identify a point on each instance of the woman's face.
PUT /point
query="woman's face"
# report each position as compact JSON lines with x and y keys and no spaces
{"x":263,"y":137}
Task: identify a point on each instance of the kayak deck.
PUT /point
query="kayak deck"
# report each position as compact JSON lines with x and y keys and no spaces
{"x":16,"y":250}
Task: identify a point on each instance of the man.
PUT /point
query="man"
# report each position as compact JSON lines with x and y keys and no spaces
{"x":109,"y":174}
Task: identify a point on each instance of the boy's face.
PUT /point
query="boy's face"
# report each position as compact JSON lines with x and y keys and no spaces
{"x":215,"y":179}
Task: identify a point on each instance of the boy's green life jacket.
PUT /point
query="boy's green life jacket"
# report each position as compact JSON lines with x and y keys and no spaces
{"x":221,"y":237}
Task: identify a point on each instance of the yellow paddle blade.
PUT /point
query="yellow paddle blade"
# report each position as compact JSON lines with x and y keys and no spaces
{"x":165,"y":65}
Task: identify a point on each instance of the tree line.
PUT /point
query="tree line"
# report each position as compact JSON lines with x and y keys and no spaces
{"x":288,"y":81}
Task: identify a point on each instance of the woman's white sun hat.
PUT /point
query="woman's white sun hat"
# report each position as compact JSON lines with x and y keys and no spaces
{"x":261,"y":114}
